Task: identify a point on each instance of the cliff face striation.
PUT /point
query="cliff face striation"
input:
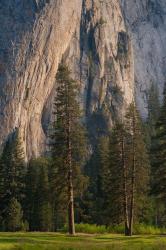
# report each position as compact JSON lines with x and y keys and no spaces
{"x":146,"y":22}
{"x":34,"y":36}
{"x":109,"y":45}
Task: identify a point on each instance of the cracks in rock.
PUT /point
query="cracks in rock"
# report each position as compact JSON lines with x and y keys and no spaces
{"x":88,"y":49}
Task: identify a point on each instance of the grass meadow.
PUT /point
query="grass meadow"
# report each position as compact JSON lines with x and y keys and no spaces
{"x":57,"y":241}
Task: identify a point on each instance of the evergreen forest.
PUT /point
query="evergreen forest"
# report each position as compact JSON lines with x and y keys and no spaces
{"x":113,"y":176}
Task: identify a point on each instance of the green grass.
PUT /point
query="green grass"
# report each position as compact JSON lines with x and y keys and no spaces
{"x":119,"y":229}
{"x":89,"y":229}
{"x":52,"y":241}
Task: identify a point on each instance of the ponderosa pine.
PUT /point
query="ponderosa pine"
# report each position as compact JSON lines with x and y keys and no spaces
{"x":68,"y":143}
{"x":138,"y":164}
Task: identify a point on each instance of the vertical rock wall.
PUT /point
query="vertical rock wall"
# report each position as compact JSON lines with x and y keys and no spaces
{"x":146,"y":21}
{"x":109,"y":45}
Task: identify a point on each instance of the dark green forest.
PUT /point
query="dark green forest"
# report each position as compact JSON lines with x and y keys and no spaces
{"x":113,"y":176}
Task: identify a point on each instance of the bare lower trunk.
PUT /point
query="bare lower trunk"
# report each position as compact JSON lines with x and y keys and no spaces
{"x":131,"y":214}
{"x":132,"y":198}
{"x":71,"y":207}
{"x":125,"y":201}
{"x":132,"y":181}
{"x":70,"y":181}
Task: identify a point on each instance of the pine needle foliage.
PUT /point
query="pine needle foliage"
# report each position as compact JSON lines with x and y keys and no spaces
{"x":68,"y":146}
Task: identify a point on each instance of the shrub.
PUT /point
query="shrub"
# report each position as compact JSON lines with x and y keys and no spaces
{"x":92,"y":229}
{"x":118,"y":229}
{"x":139,"y":229}
{"x":88,"y":228}
{"x":147,"y":229}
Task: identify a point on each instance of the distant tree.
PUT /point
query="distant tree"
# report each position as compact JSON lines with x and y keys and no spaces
{"x":109,"y":179}
{"x":12,"y":174}
{"x":14,"y":216}
{"x":96,"y":169}
{"x":68,"y":147}
{"x":81,"y":183}
{"x":153,"y":114}
{"x":44,"y":214}
{"x":152,"y":209}
{"x":101,"y":180}
{"x":158,"y":161}
{"x":31,"y":182}
{"x":38,"y":202}
{"x":153,"y":107}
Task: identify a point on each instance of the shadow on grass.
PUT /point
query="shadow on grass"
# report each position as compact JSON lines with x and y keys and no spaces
{"x":52,"y":241}
{"x":7,"y":240}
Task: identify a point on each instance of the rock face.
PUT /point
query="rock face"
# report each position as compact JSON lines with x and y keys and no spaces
{"x":34,"y":36}
{"x":107,"y":45}
{"x":146,"y":21}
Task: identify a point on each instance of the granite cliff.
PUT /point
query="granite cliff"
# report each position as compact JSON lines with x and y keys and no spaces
{"x":114,"y":48}
{"x":146,"y":21}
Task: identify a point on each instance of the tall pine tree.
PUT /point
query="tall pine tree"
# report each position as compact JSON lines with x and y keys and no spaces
{"x":68,"y":147}
{"x":138,"y":164}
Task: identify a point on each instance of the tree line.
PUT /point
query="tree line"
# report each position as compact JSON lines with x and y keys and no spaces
{"x":118,"y":180}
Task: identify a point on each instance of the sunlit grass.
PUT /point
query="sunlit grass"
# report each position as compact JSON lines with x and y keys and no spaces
{"x":52,"y":241}
{"x":138,"y":229}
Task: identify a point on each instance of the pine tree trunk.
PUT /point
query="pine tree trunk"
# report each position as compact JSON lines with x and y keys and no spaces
{"x":131,"y":210}
{"x":71,"y":206}
{"x":126,"y":217}
{"x":132,"y":203}
{"x":132,"y":181}
{"x":70,"y":182}
{"x":55,"y":222}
